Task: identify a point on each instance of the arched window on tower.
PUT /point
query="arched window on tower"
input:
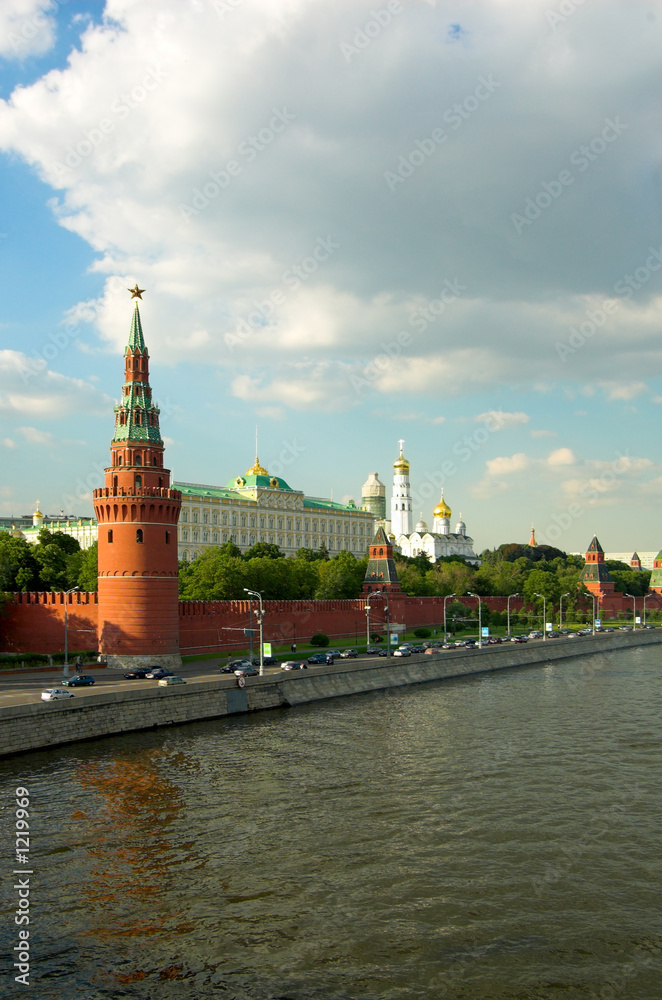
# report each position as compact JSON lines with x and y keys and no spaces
{"x":119,"y":460}
{"x":114,"y":484}
{"x":139,"y":536}
{"x":154,"y":460}
{"x":110,"y":535}
{"x":139,"y":482}
{"x":137,"y":459}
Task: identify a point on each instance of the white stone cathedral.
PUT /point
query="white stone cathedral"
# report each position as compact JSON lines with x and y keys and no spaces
{"x":414,"y":540}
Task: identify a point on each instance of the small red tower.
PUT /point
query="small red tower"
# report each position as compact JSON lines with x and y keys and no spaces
{"x":595,"y":576}
{"x":381,"y":574}
{"x":138,"y":514}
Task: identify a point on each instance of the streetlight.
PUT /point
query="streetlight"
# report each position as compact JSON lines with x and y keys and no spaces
{"x":375,"y":593}
{"x":448,"y":598}
{"x":646,"y":596}
{"x":594,"y":598}
{"x":544,"y":615}
{"x":634,"y":610}
{"x":260,"y":614}
{"x":480,"y":619}
{"x":508,"y":610}
{"x":561,"y":609}
{"x":388,"y":630}
{"x":66,"y":647}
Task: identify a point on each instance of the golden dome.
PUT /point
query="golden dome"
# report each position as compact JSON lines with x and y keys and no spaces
{"x":401,"y":465}
{"x":442,"y":509}
{"x":257,"y":469}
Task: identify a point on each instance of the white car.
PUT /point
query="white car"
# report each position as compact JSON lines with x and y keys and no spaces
{"x":54,"y":694}
{"x":168,"y":681}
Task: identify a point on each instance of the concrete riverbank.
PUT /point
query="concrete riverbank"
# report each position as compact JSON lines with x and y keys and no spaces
{"x":41,"y":725}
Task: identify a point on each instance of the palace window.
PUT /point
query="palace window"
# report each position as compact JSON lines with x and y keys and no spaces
{"x":214,"y":518}
{"x":322,"y":525}
{"x":196,"y":536}
{"x":205,"y":536}
{"x":252,"y":520}
{"x":280,"y":524}
{"x":205,"y":518}
{"x":195,"y":517}
{"x":185,"y":515}
{"x":243,"y":520}
{"x":216,"y":537}
{"x":234,"y":521}
{"x":262,"y":521}
{"x":225,"y":518}
{"x":185,"y":535}
{"x":271,"y":522}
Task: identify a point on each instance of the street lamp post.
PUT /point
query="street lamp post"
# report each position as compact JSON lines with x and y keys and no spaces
{"x":646,"y":596}
{"x":594,"y":597}
{"x":448,"y":598}
{"x":66,"y":642}
{"x":260,"y":614}
{"x":367,"y":615}
{"x":634,"y":610}
{"x":561,"y":609}
{"x":480,"y":619}
{"x":508,"y":610}
{"x":544,"y":616}
{"x":388,"y":629}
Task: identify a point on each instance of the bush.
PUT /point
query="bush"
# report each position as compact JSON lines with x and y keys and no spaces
{"x":422,"y":632}
{"x":319,"y":639}
{"x":376,"y":637}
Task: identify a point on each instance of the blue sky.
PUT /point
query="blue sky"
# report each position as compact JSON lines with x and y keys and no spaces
{"x":355,"y":222}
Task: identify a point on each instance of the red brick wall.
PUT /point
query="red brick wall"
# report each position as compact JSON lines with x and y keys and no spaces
{"x":34,"y":623}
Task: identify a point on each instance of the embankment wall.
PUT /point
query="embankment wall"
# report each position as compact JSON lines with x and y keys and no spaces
{"x":42,"y":725}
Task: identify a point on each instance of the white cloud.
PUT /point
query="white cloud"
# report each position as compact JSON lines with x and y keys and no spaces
{"x":35,"y":436}
{"x":30,"y":389}
{"x":498,"y":419}
{"x":543,"y":434}
{"x":562,"y":456}
{"x":283,"y":147}
{"x":507,"y":465}
{"x":623,"y":390}
{"x":8,"y":443}
{"x":26,"y":27}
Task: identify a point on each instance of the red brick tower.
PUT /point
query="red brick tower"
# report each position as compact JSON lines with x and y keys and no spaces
{"x":595,"y":576}
{"x":381,"y":574}
{"x":138,"y":514}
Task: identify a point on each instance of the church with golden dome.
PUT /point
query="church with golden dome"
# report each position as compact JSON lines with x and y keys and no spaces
{"x":415,"y":539}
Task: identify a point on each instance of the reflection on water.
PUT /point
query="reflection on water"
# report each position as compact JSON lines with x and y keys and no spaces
{"x":488,"y":838}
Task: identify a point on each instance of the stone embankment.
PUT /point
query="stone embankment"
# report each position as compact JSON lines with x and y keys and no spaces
{"x":47,"y":724}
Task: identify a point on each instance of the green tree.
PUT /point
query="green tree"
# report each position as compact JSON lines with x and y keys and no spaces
{"x":18,"y":568}
{"x":264,"y":550}
{"x":340,"y":577}
{"x":213,"y":576}
{"x":88,"y":570}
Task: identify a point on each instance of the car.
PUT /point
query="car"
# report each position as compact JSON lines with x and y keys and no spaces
{"x":138,"y":674}
{"x":268,"y":661}
{"x":335,"y":653}
{"x":431,"y":650}
{"x":624,"y":628}
{"x":535,"y":635}
{"x":55,"y":694}
{"x":417,"y":649}
{"x":80,"y":680}
{"x":402,"y":652}
{"x":384,"y":652}
{"x":517,"y":638}
{"x":157,"y":673}
{"x":349,"y":653}
{"x":167,"y":681}
{"x":248,"y":671}
{"x":375,"y":650}
{"x":233,"y":665}
{"x":294,"y":665}
{"x":553,"y":635}
{"x":317,"y":658}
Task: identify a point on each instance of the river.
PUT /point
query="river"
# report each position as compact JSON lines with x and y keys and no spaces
{"x":488,"y":838}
